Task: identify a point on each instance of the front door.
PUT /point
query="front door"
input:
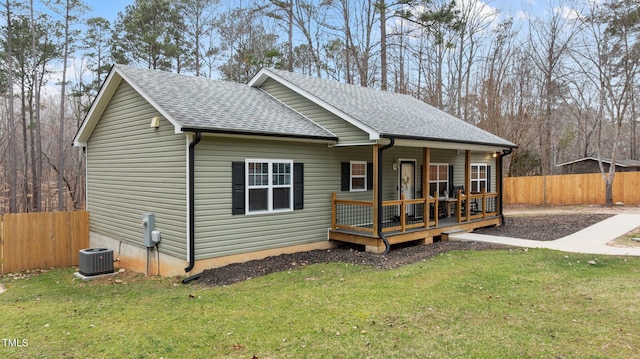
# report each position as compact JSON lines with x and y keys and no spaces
{"x":407,"y":183}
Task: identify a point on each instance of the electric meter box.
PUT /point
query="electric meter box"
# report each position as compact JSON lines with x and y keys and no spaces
{"x":148,"y":225}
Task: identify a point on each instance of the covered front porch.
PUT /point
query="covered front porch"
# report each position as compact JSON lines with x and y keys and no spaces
{"x":452,"y":205}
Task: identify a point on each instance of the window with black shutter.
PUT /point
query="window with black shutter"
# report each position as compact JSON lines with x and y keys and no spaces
{"x":356,"y":176}
{"x":265,"y":186}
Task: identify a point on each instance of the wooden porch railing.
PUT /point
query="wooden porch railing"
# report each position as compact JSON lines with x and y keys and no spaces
{"x":396,"y":217}
{"x":352,"y":215}
{"x":357,"y":215}
{"x":478,"y":205}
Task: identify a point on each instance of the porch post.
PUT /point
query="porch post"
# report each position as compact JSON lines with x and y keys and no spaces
{"x":376,"y":147}
{"x":499,"y":184}
{"x":467,"y":183}
{"x":426,"y":160}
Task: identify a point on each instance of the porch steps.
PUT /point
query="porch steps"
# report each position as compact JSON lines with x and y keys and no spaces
{"x":445,"y":235}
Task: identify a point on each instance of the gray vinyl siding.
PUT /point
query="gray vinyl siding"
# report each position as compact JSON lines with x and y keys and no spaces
{"x":219,"y":233}
{"x":132,"y":169}
{"x":457,"y":160}
{"x":451,"y":157}
{"x":346,"y":132}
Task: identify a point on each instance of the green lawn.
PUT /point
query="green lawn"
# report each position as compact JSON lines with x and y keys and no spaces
{"x":485,"y":304}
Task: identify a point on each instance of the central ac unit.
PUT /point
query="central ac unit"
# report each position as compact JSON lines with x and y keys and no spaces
{"x":95,"y":261}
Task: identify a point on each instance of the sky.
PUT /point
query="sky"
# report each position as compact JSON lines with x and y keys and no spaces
{"x":109,"y":8}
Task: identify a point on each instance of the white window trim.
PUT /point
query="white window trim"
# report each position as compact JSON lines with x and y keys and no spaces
{"x":351,"y":176}
{"x":438,"y":180}
{"x":479,"y":180}
{"x":270,"y":186}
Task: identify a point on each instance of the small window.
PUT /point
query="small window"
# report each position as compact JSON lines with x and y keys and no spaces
{"x":269,"y":185}
{"x":478,"y":177}
{"x":358,"y":176}
{"x":438,"y":178}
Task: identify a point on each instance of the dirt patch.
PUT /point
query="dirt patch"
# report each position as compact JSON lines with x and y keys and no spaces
{"x":629,"y":240}
{"x":2,"y":289}
{"x":398,"y":256}
{"x":543,"y":226}
{"x":536,"y":227}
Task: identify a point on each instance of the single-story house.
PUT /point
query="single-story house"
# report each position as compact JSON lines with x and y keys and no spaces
{"x":590,"y":165}
{"x":224,"y":172}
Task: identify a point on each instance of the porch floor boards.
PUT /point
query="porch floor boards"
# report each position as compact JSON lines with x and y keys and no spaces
{"x":375,"y":244}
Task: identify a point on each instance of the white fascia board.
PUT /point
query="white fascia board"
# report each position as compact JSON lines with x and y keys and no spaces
{"x":98,"y":106}
{"x":264,"y":73}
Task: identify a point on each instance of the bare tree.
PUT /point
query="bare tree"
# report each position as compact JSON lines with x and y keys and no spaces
{"x":610,"y":62}
{"x":549,"y":42}
{"x":475,"y":18}
{"x":199,"y":18}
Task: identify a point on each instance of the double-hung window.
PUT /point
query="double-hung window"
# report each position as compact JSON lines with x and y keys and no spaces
{"x":358,"y":176}
{"x":269,"y":185}
{"x":438,"y":178}
{"x":478,"y":177}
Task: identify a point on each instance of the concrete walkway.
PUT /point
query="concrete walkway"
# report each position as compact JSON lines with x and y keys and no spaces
{"x":592,"y":239}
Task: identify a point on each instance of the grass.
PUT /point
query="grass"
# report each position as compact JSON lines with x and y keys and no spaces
{"x":498,"y":304}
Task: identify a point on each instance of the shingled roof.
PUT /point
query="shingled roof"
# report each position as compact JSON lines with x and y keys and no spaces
{"x":198,"y":103}
{"x":201,"y":104}
{"x":386,"y":114}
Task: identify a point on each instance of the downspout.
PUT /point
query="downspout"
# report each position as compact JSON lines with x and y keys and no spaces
{"x":387,"y":246}
{"x":504,"y":153}
{"x":191,"y":201}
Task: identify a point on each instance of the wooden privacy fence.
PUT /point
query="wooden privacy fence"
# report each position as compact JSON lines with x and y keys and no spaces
{"x":571,"y":189}
{"x":42,"y":240}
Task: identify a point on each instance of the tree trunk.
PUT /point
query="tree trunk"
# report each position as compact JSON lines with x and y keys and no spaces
{"x":36,"y":153}
{"x":290,"y":37}
{"x":609,"y":190}
{"x":61,"y":185}
{"x":11,"y":119}
{"x":383,"y":44}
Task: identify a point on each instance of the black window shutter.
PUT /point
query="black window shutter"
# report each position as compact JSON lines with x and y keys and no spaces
{"x":298,"y":186}
{"x":450,"y":190}
{"x":488,"y":178}
{"x":345,"y":176}
{"x":369,"y":176}
{"x":237,"y":190}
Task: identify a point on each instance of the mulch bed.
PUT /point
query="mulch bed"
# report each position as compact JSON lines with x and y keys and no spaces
{"x":539,"y":227}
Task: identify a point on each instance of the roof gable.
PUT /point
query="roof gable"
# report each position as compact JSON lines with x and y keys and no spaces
{"x":201,"y":104}
{"x":382,"y":113}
